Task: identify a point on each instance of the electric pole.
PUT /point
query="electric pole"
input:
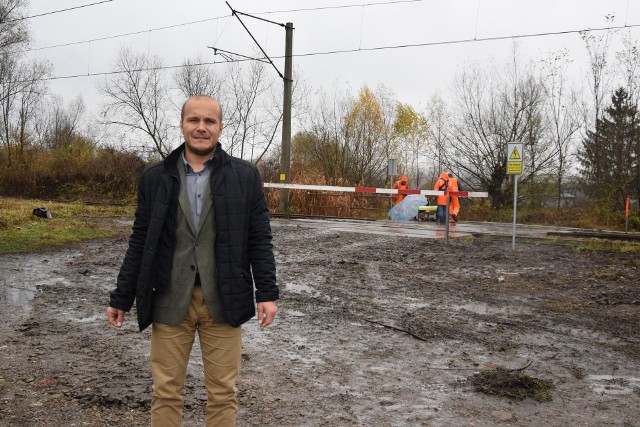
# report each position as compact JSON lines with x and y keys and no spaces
{"x":285,"y":162}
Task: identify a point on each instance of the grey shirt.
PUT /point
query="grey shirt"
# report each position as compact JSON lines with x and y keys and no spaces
{"x":196,"y":186}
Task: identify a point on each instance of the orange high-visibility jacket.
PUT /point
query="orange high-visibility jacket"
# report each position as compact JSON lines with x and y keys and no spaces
{"x":442,"y":184}
{"x":454,"y":205}
{"x":401,"y":184}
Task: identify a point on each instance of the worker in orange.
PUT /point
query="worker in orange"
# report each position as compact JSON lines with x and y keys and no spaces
{"x":401,"y":184}
{"x":442,"y":184}
{"x":454,"y":204}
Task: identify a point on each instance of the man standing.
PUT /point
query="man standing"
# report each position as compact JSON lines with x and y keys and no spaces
{"x":401,"y":184}
{"x":442,"y":184}
{"x":200,"y":241}
{"x":454,"y":205}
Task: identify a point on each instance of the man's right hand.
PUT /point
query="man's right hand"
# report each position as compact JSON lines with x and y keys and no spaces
{"x":115,"y":317}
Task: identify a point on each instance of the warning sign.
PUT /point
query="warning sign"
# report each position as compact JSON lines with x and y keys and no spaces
{"x":514,"y":168}
{"x":515,"y":154}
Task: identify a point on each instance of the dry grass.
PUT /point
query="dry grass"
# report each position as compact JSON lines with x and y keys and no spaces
{"x":21,"y":231}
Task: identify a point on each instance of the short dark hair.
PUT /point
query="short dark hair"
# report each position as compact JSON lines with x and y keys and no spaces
{"x":199,"y":96}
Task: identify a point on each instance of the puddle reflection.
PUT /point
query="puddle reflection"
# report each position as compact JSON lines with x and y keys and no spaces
{"x":483,"y":308}
{"x":16,"y":296}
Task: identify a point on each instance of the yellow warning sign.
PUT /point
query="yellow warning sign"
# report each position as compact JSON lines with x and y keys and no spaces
{"x":514,"y":168}
{"x":515,"y":155}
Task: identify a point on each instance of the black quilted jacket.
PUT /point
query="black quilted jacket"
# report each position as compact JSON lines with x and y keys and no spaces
{"x":244,"y":253}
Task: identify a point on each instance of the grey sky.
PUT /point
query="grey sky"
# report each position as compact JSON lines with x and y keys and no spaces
{"x":413,"y":73}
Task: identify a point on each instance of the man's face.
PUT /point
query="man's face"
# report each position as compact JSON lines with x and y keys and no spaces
{"x":201,"y":125}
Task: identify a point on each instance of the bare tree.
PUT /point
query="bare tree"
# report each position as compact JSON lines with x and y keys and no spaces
{"x":562,"y":115}
{"x":494,"y":108}
{"x":197,"y":78}
{"x":245,"y":117}
{"x":137,"y":100}
{"x":388,"y":103}
{"x":628,"y":60}
{"x":21,"y":89}
{"x":599,"y":75}
{"x":14,"y":33}
{"x":58,"y":123}
{"x":439,"y":122}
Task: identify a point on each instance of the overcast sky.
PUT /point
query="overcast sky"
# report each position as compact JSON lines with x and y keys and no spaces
{"x":170,"y":30}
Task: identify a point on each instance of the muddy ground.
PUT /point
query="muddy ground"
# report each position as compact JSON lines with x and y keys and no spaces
{"x":373,"y":330}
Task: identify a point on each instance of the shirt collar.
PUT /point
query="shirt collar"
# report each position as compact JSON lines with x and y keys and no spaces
{"x":207,"y":164}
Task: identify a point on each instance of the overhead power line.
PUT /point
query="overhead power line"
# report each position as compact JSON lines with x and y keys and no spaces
{"x":473,"y":40}
{"x":115,"y":36}
{"x":59,"y":11}
{"x":229,"y":59}
{"x":133,"y":33}
{"x":346,"y":6}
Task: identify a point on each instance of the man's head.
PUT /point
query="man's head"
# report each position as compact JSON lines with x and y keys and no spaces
{"x":201,"y":124}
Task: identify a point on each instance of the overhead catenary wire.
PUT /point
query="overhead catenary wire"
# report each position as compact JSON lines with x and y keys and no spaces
{"x":235,"y":13}
{"x":166,"y":27}
{"x":369,"y":49}
{"x":58,"y":11}
{"x":345,"y":6}
{"x":133,"y":33}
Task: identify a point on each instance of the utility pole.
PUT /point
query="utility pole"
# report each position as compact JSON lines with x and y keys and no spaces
{"x":285,"y":162}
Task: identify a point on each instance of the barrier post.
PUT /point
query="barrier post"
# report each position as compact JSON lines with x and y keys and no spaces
{"x":626,"y":214}
{"x":446,"y":220}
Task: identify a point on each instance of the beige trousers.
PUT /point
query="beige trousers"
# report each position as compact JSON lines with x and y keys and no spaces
{"x":171,"y":346}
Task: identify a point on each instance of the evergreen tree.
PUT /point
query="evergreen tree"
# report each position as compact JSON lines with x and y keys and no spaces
{"x":610,"y":166}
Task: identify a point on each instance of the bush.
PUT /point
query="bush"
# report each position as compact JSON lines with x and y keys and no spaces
{"x":77,"y":170}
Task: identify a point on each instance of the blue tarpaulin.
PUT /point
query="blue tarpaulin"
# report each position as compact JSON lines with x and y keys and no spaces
{"x":407,"y":209}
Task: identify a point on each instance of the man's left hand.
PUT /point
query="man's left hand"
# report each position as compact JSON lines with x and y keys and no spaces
{"x":266,"y":313}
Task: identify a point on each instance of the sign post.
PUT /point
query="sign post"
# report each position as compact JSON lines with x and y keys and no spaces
{"x":392,"y":171}
{"x":515,"y":156}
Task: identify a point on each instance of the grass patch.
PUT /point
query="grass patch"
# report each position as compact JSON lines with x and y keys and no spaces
{"x":514,"y":385}
{"x":21,"y":231}
{"x":600,"y":245}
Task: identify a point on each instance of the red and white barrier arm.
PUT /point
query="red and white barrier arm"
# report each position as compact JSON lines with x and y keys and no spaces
{"x":374,"y":190}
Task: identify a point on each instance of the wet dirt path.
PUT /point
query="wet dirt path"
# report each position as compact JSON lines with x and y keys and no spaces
{"x":373,"y":330}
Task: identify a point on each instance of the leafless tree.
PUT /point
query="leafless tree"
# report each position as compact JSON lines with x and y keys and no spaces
{"x":58,"y":122}
{"x":599,"y":76}
{"x":439,"y":136}
{"x":14,"y":33}
{"x":496,"y":107}
{"x":246,"y":118}
{"x":629,"y":63}
{"x":137,"y":100}
{"x":562,"y":114}
{"x":21,"y":89}
{"x":195,"y":77}
{"x":628,"y":60}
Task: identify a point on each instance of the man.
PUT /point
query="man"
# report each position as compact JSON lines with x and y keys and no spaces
{"x":442,"y":184}
{"x":200,"y":239}
{"x":454,"y":205}
{"x":401,"y":184}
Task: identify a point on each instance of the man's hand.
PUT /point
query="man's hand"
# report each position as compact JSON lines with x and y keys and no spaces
{"x":115,"y":316}
{"x":266,"y":313}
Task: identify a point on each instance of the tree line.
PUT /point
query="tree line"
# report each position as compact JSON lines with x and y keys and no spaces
{"x":578,"y":142}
